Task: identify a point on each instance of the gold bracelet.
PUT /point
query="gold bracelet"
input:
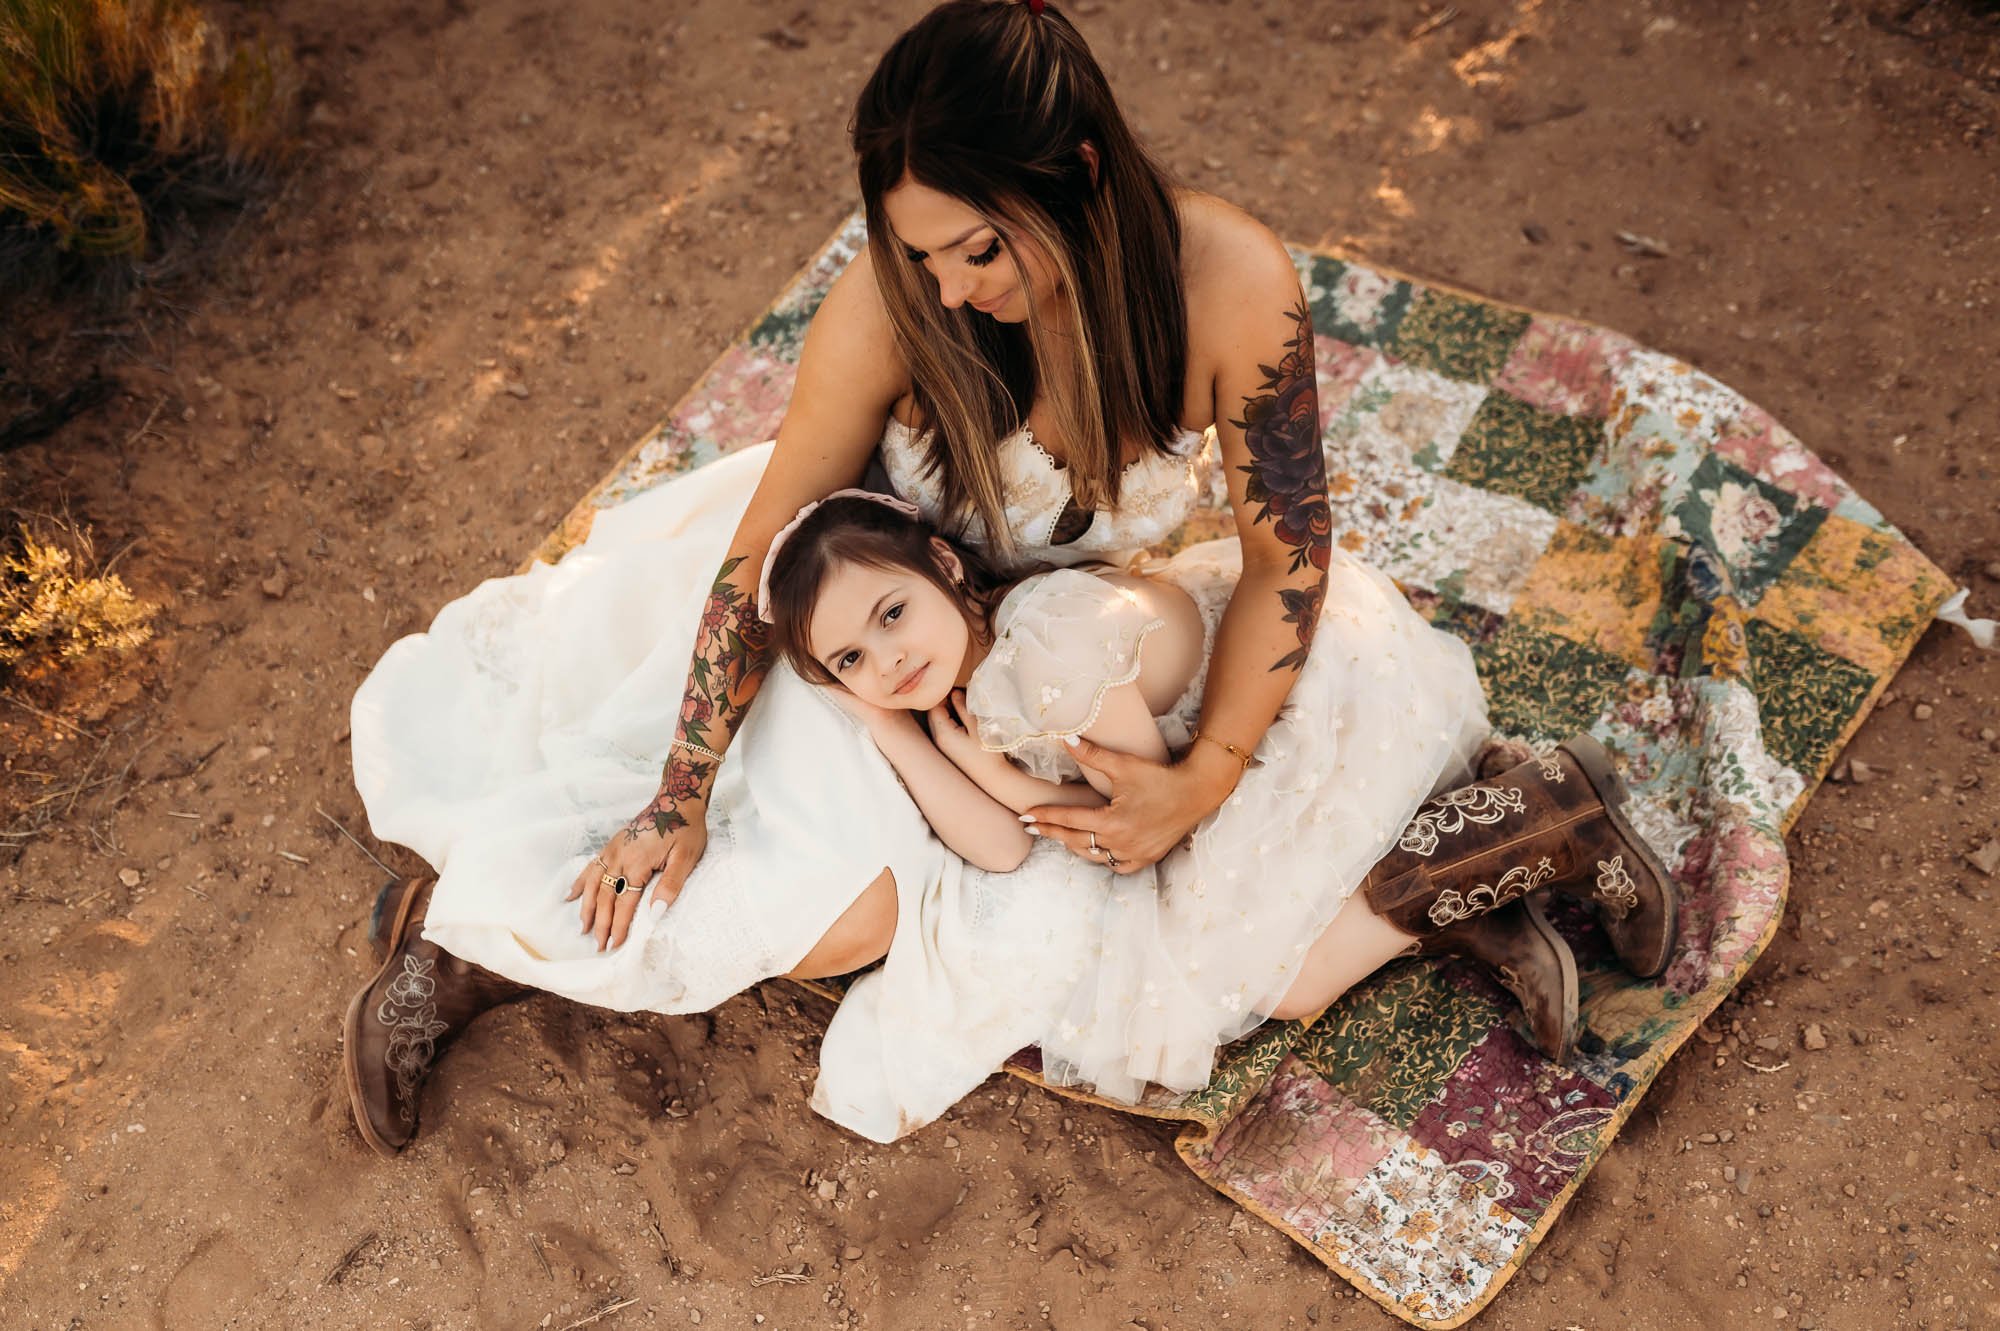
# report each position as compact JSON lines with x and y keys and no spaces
{"x":693,"y":747}
{"x":1234,"y":752}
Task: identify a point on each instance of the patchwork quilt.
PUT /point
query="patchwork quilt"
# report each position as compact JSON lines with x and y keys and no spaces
{"x":1630,"y":548}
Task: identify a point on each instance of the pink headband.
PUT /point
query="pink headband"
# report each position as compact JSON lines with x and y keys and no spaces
{"x":903,"y":506}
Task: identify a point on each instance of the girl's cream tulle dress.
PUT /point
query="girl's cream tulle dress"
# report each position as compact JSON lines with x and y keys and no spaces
{"x":515,"y":737}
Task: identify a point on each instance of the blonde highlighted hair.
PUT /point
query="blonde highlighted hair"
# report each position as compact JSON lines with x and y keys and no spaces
{"x":1003,"y":109}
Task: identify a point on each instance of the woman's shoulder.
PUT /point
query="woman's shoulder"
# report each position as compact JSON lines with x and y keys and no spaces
{"x":1230,"y":261}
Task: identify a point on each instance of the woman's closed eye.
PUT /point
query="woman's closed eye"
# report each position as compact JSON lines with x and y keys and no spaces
{"x":979,"y":260}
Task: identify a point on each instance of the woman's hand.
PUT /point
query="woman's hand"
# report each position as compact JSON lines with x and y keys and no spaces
{"x":660,"y":847}
{"x":957,"y":742}
{"x":1153,"y":805}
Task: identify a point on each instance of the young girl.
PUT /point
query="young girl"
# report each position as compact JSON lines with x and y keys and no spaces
{"x":1250,"y":917}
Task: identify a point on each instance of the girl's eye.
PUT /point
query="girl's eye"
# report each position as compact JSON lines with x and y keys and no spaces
{"x":847,"y":661}
{"x":893,"y":613}
{"x":985,"y":256}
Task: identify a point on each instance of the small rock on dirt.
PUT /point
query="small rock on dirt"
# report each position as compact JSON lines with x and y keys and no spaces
{"x":850,"y":1254}
{"x":1987,"y":858}
{"x":1859,"y":772}
{"x":828,"y":1189}
{"x":275,"y":585}
{"x":1923,"y":711}
{"x":129,"y":877}
{"x":1813,"y":1037}
{"x":519,"y":390}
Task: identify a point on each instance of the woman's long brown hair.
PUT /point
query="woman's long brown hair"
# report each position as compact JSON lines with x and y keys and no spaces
{"x":993,"y":104}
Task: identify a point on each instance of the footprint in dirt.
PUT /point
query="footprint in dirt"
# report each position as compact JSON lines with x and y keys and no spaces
{"x":213,"y":1287}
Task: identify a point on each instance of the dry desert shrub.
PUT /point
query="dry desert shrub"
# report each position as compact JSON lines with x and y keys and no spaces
{"x":58,"y":604}
{"x":124,"y":125}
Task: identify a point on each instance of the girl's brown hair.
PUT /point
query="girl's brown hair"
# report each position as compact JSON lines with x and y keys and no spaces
{"x":994,"y":104}
{"x":861,"y":531}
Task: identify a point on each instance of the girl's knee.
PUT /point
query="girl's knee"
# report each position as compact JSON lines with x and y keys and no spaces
{"x":860,"y":937}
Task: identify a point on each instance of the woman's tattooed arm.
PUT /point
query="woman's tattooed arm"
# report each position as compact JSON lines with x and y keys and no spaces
{"x":1286,"y":477}
{"x":730,"y":660}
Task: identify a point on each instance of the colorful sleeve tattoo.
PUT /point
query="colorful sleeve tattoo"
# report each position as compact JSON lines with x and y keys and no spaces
{"x":728,"y":666}
{"x":1287,"y":476}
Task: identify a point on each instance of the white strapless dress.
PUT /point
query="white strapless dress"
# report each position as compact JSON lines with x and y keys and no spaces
{"x":515,"y":737}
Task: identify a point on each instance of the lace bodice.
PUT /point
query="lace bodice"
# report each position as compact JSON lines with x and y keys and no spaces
{"x":1158,"y":493}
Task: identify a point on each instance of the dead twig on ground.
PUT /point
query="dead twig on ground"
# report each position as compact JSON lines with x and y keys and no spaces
{"x":357,"y":844}
{"x":27,"y":706}
{"x":348,"y":1258}
{"x":536,"y":1244}
{"x":190,"y":766}
{"x":1430,"y":25}
{"x":605,"y":1311}
{"x":798,"y":1277}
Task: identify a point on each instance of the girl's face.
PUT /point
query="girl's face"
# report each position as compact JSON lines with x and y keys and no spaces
{"x":891,"y":636}
{"x":962,"y":250}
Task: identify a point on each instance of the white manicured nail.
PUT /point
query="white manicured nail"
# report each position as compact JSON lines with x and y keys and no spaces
{"x":1029,"y":818}
{"x":1069,"y":740}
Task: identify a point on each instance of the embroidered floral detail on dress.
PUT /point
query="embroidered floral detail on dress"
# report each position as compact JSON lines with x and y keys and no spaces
{"x":1450,"y":907}
{"x":409,"y":1011}
{"x":1616,"y":890}
{"x":1451,"y":811}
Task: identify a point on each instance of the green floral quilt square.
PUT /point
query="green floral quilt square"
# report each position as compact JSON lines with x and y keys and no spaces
{"x":1393,"y":1041}
{"x":1806,"y":696}
{"x":1543,"y":686}
{"x":1459,"y":338}
{"x":1356,"y":304}
{"x":1754,"y":528}
{"x":1526,"y":452}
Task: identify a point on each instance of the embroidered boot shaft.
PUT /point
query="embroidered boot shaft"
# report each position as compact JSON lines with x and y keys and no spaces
{"x":1551,"y":823}
{"x":400,"y":1021}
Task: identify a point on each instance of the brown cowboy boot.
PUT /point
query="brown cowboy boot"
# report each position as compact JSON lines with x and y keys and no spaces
{"x":1551,"y":823}
{"x":1528,"y":957}
{"x":402,"y":1019}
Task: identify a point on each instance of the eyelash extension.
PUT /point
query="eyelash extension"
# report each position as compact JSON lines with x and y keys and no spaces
{"x":979,"y":260}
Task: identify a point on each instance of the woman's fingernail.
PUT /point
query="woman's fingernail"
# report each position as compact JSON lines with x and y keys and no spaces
{"x":1069,"y":740}
{"x":1029,"y":818}
{"x":659,"y":906}
{"x":1033,"y":830}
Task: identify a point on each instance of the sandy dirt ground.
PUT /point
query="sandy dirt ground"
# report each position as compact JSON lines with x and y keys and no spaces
{"x":521,"y":229}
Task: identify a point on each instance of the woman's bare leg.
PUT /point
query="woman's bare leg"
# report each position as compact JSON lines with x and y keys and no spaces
{"x":858,"y":938}
{"x":1354,"y":946}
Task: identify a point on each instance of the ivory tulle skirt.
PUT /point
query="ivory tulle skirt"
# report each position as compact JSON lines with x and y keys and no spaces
{"x":509,"y":742}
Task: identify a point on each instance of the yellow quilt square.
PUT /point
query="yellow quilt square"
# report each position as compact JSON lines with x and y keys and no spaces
{"x":1603,"y":591}
{"x":1857,"y":593}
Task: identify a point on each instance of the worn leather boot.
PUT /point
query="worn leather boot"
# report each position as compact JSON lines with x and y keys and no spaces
{"x":1551,"y":823}
{"x":401,"y":1020}
{"x":1526,"y":954}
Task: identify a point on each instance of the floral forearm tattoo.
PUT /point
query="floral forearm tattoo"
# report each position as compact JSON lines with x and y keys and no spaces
{"x":729,"y":663}
{"x":1287,"y":477}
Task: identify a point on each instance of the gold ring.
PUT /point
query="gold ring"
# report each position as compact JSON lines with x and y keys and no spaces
{"x":1095,"y":849}
{"x":616,"y":882}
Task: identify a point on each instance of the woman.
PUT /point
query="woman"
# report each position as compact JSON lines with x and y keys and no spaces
{"x":1035,"y":344}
